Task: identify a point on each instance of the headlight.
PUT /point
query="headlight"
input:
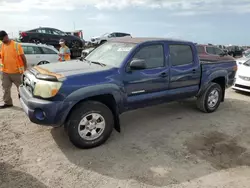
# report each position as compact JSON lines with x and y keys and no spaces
{"x":46,"y":89}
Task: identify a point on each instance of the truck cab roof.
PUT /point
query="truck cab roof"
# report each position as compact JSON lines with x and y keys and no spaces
{"x":138,"y":40}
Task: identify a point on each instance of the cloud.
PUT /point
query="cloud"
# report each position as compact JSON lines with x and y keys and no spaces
{"x":179,"y":7}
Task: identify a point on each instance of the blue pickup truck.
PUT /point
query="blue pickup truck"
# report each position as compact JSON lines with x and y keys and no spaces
{"x":87,"y":96}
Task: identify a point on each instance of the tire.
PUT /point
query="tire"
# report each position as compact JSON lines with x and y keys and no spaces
{"x":203,"y":102}
{"x":82,"y":114}
{"x":76,"y":44}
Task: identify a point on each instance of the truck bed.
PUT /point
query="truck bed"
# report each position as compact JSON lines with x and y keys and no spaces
{"x":208,"y":67}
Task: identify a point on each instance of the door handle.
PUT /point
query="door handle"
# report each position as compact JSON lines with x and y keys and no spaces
{"x":163,"y":75}
{"x":194,"y":71}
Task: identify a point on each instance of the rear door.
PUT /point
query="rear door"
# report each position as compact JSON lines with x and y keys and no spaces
{"x":185,"y":70}
{"x":147,"y":86}
{"x":33,"y":54}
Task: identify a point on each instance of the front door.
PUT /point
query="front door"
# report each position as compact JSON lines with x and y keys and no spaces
{"x":147,"y":86}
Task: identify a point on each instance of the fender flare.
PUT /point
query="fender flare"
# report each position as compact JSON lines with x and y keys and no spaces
{"x":92,"y":91}
{"x":205,"y":82}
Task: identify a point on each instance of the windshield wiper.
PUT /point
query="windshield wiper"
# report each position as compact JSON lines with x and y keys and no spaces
{"x":94,"y":62}
{"x":98,"y":63}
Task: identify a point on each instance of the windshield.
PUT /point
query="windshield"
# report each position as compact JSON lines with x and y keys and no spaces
{"x":110,"y":53}
{"x":247,"y":63}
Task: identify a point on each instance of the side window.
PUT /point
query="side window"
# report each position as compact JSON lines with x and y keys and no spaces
{"x":218,"y":51}
{"x":44,"y":31}
{"x":25,"y":49}
{"x":31,"y":50}
{"x":112,"y":35}
{"x":48,"y":51}
{"x":153,"y":56}
{"x":210,"y":50}
{"x":180,"y":55}
{"x":56,"y":32}
{"x":41,"y":31}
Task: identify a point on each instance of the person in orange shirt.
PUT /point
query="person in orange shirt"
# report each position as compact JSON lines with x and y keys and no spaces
{"x":13,"y":64}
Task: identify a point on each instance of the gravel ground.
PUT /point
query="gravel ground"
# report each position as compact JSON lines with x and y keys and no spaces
{"x":172,"y":145}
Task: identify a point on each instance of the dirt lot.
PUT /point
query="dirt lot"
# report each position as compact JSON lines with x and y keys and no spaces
{"x":171,"y":145}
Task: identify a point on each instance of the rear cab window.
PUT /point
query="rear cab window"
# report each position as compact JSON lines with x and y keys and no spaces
{"x":180,"y":54}
{"x":210,"y":50}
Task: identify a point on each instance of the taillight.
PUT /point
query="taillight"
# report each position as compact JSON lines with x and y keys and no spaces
{"x":23,"y":34}
{"x":235,"y":68}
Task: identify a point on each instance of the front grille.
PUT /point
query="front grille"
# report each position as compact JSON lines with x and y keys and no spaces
{"x":241,"y":86}
{"x":244,"y":78}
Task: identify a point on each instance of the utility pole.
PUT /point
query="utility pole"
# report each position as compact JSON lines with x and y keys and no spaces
{"x":74,"y":26}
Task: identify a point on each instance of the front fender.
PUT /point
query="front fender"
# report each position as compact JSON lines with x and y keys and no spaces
{"x":95,"y":90}
{"x":205,"y":81}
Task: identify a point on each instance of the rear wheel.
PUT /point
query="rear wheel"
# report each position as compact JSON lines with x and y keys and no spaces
{"x":76,"y":44}
{"x":210,"y":100}
{"x":90,"y":124}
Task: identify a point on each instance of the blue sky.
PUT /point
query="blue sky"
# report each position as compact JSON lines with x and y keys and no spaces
{"x":202,"y":21}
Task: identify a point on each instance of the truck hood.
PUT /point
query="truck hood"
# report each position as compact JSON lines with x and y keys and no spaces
{"x":68,"y":68}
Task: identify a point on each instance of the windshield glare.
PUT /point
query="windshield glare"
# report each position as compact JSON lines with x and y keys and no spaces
{"x":110,"y":53}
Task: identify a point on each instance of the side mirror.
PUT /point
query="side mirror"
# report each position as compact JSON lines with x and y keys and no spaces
{"x":138,"y":64}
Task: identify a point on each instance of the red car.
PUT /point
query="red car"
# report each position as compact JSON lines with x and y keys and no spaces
{"x":212,"y":53}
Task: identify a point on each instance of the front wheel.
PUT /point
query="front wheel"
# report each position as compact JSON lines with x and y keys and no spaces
{"x":210,"y":100}
{"x":90,"y":125}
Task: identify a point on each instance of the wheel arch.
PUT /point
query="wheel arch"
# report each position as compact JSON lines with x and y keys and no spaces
{"x":110,"y":95}
{"x":219,"y":77}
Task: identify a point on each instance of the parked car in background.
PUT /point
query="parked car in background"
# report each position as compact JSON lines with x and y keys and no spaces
{"x":50,"y":36}
{"x":242,"y":82}
{"x":39,"y":54}
{"x":246,"y":53}
{"x":105,"y":37}
{"x":212,"y":53}
{"x":86,"y":52}
{"x":235,"y":51}
{"x":124,"y":74}
{"x":222,"y":47}
{"x":242,"y":60}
